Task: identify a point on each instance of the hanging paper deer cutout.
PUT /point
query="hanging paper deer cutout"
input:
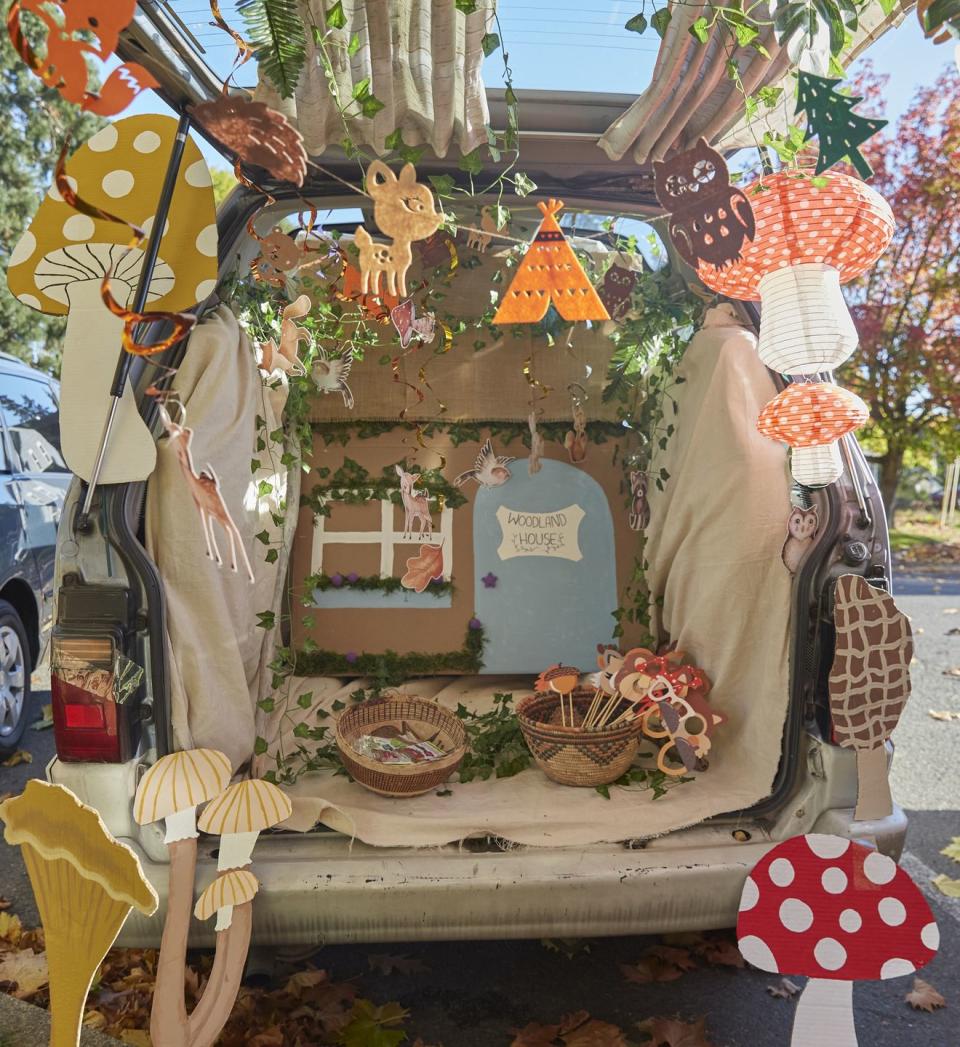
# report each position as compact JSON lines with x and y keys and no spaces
{"x":205,"y":489}
{"x":416,"y":505}
{"x":403,"y":209}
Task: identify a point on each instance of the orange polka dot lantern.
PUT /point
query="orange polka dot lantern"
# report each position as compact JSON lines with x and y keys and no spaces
{"x":811,"y":417}
{"x":809,"y":241}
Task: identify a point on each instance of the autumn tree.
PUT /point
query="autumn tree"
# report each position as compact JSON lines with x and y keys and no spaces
{"x":34,"y":120}
{"x":907,"y":308}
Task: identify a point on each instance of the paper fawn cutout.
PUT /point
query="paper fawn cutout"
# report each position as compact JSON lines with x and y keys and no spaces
{"x":416,"y":505}
{"x":64,"y":66}
{"x":204,"y":488}
{"x":802,"y":527}
{"x":259,"y":136}
{"x":480,"y":241}
{"x":403,"y":209}
{"x":410,"y":326}
{"x":639,"y":506}
{"x":423,"y":568}
{"x":709,"y":218}
{"x":832,"y":121}
{"x":869,"y":684}
{"x":489,"y":469}
{"x":85,"y":883}
{"x":836,"y":912}
{"x":549,"y":272}
{"x":286,"y":357}
{"x":536,"y":445}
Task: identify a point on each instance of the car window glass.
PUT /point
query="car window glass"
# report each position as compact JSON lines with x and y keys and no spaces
{"x":32,"y":418}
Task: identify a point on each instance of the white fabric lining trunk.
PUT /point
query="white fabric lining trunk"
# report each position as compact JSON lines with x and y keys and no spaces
{"x":716,"y":537}
{"x":424,"y":61}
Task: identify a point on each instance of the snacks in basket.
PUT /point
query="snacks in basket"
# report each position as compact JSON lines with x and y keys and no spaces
{"x":398,"y":747}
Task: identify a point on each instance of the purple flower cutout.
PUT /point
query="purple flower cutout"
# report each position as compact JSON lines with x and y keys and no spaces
{"x":351,"y":657}
{"x":474,"y":623}
{"x":353,"y":577}
{"x":489,"y":580}
{"x":336,"y":580}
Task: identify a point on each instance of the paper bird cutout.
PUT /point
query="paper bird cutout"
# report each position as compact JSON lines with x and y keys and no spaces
{"x":550,"y":272}
{"x":709,"y":218}
{"x":830,"y":119}
{"x":489,"y":470}
{"x":330,"y":374}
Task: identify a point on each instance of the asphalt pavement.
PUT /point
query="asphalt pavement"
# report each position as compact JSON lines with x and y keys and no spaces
{"x":475,"y":992}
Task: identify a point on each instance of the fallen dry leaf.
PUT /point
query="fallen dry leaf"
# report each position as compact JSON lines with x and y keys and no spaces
{"x":11,"y":929}
{"x":569,"y":947}
{"x":533,"y":1034}
{"x":272,"y":1037}
{"x":27,"y":969}
{"x":923,"y":996}
{"x":650,"y":969}
{"x":952,"y":671}
{"x":383,"y":963}
{"x":785,"y":990}
{"x":20,"y":756}
{"x":952,"y":850}
{"x":5,"y":903}
{"x":47,"y":720}
{"x":722,"y":952}
{"x":136,"y":1037}
{"x":594,"y":1033}
{"x":951,"y":888}
{"x":953,"y":632}
{"x":672,"y":1032}
{"x":422,"y":569}
{"x":672,"y":954}
{"x":943,"y":714}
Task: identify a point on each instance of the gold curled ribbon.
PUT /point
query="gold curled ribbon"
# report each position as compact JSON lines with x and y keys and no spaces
{"x":534,"y":382}
{"x":182,"y":322}
{"x":245,"y":50}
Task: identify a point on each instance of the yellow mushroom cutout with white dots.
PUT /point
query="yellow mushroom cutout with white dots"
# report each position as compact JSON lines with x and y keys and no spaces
{"x":59,"y":263}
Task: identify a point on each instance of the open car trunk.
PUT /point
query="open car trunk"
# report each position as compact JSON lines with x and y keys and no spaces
{"x":705,"y":549}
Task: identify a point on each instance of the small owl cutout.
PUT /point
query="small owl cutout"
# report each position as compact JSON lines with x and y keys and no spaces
{"x":709,"y":218}
{"x":616,"y":291}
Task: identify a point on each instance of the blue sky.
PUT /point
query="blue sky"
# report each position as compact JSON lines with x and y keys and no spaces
{"x":565,"y":45}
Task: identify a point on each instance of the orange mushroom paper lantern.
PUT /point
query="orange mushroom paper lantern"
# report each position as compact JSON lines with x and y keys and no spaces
{"x":550,"y":272}
{"x":811,"y":417}
{"x":810,"y":239}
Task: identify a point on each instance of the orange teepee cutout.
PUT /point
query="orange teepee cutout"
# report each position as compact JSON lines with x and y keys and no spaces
{"x":550,"y":271}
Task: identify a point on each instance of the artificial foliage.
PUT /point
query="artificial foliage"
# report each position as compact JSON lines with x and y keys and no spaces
{"x":370,"y":584}
{"x":458,"y":432}
{"x":275,"y":29}
{"x":831,"y":120}
{"x":353,"y":484}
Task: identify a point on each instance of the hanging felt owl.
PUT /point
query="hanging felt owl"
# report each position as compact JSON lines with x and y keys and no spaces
{"x":709,"y":218}
{"x":616,"y":290}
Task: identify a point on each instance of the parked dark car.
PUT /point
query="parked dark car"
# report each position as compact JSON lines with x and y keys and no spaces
{"x":33,"y":482}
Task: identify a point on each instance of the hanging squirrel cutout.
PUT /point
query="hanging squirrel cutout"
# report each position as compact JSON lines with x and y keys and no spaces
{"x":536,"y":445}
{"x":286,"y":357}
{"x":576,"y":439}
{"x":403,"y":209}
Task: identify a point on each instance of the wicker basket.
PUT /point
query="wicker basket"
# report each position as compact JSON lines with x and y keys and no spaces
{"x":427,"y":720}
{"x":569,"y":755}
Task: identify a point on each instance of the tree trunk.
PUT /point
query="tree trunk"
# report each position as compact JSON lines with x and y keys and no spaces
{"x":824,"y":1015}
{"x":168,"y":1015}
{"x":220,"y":993}
{"x":890,"y":466}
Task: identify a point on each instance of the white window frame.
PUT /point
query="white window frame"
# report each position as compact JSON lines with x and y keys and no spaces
{"x":387,"y":538}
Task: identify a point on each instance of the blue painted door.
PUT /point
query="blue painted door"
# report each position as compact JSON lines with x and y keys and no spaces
{"x":544,"y":569}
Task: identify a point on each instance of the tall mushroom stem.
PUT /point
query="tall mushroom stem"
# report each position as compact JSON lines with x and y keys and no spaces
{"x":873,"y":786}
{"x":168,"y":1017}
{"x":825,"y":1015}
{"x":211,"y":1013}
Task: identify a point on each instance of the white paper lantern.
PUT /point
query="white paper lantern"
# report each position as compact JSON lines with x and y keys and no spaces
{"x":805,"y":326}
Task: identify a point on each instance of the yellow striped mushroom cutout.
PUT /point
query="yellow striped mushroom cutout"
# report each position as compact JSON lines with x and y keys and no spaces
{"x":175,"y":786}
{"x":229,"y":889}
{"x":240,"y":815}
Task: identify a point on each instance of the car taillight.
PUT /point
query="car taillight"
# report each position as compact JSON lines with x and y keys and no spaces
{"x":88,"y":722}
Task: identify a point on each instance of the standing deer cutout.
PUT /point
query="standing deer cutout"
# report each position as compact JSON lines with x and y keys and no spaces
{"x":205,"y":489}
{"x":416,"y":506}
{"x":403,"y":209}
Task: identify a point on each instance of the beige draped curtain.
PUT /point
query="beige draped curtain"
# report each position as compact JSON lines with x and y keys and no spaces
{"x":424,"y":61}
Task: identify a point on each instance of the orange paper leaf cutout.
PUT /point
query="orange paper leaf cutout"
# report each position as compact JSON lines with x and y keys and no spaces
{"x":549,"y":272}
{"x":422,"y":569}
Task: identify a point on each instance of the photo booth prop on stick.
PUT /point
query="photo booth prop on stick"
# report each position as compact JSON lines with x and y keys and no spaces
{"x":60,"y":262}
{"x":809,"y":240}
{"x":869,"y":684}
{"x":709,"y":218}
{"x":550,"y":272}
{"x":810,"y":417}
{"x":85,"y":883}
{"x":836,"y":912}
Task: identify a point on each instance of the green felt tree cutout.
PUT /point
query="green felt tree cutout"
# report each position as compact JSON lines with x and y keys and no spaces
{"x":830,"y":118}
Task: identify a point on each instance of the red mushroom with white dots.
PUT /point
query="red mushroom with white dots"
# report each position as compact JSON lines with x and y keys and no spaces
{"x":836,"y":912}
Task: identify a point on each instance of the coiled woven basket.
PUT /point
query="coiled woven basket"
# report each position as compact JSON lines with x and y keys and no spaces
{"x":427,"y":720}
{"x":569,"y":755}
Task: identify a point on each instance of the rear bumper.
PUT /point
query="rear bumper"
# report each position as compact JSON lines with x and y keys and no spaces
{"x":321,"y":888}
